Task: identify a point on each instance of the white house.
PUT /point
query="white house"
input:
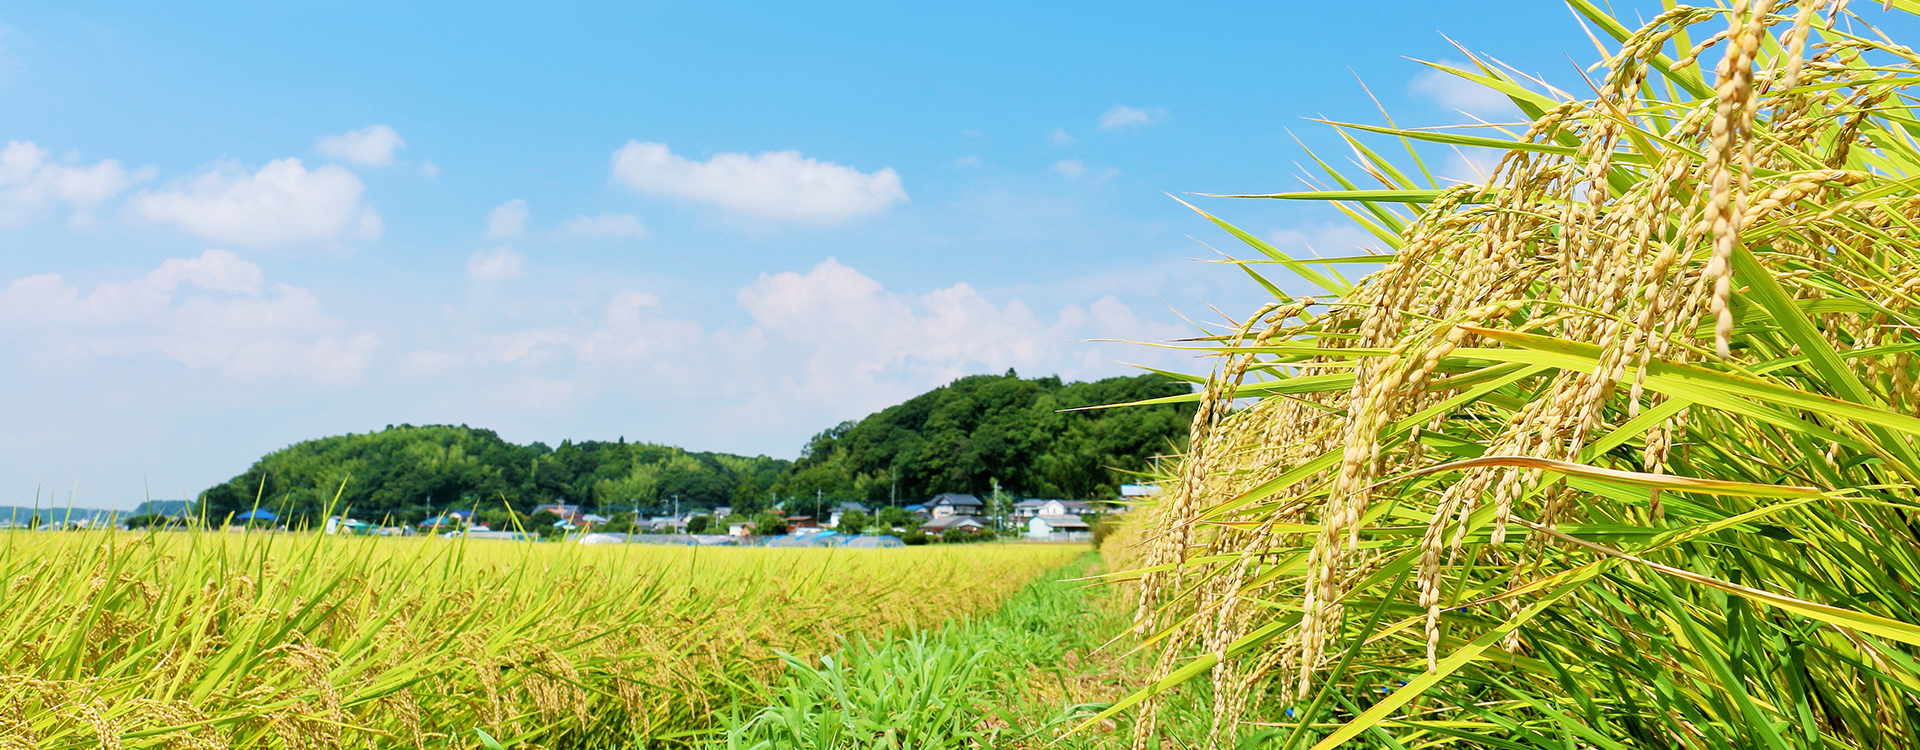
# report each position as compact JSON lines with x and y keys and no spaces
{"x":1026,"y":509}
{"x":1059,"y":529}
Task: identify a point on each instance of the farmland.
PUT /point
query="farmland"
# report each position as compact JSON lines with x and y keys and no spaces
{"x":206,"y":639}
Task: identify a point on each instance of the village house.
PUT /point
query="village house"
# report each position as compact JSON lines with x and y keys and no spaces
{"x":1025,"y":510}
{"x":1059,"y":529}
{"x":953,"y":504}
{"x":568,"y":513}
{"x":943,"y":524}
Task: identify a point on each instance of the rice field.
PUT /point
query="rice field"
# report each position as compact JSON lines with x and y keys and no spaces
{"x":214,"y":640}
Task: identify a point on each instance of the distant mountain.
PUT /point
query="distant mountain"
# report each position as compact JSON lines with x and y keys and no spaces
{"x":16,"y":516}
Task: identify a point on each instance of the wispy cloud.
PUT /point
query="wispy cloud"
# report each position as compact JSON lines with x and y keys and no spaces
{"x":1454,"y":92}
{"x":283,"y":202}
{"x":508,"y":219}
{"x":371,"y":146}
{"x":495,"y":265}
{"x":773,"y":185}
{"x":214,"y":311}
{"x":1123,"y":116}
{"x":605,"y":225}
{"x":31,"y":182}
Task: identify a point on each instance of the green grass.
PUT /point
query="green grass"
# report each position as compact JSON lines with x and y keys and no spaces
{"x":1021,"y":677}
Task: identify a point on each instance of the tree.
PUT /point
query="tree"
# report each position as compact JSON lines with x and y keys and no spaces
{"x":769,"y":524}
{"x":542,"y":523}
{"x":853,"y":522}
{"x":1031,"y":434}
{"x":145,"y":520}
{"x":699,"y":524}
{"x":891,"y":517}
{"x":620,"y":523}
{"x":407,"y":473}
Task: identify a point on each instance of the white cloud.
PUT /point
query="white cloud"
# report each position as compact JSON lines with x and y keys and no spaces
{"x":372,"y":146}
{"x":496,"y":265}
{"x":605,"y":225}
{"x":775,"y":185}
{"x":851,"y":340}
{"x":1123,"y":116}
{"x":1060,"y":137}
{"x":508,"y":219}
{"x":214,"y":312}
{"x":1070,"y":168}
{"x":429,"y":169}
{"x":819,"y":346}
{"x":30,"y":182}
{"x":282,"y":203}
{"x":967,"y":161}
{"x":1454,"y":92}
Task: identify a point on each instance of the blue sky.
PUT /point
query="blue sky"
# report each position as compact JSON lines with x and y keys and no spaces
{"x":237,"y":226}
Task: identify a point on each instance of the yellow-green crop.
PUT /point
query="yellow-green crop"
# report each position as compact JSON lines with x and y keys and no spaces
{"x":205,"y":639}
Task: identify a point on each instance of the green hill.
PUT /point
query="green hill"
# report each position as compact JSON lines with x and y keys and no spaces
{"x":962,"y":437}
{"x":958,"y":438}
{"x":408,"y":473}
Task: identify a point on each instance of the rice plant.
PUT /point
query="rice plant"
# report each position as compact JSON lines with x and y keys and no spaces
{"x":212,"y":640}
{"x":1615,"y":449}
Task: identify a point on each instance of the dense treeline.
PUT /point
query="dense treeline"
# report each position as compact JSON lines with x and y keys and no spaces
{"x":963,"y":437}
{"x":959,"y":438}
{"x":408,"y":473}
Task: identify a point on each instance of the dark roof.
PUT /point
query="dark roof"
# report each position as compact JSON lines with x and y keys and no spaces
{"x":947,"y":522}
{"x":954,"y":498}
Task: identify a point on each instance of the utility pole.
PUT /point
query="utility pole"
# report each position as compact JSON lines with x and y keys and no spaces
{"x":999,"y":521}
{"x":819,"y":496}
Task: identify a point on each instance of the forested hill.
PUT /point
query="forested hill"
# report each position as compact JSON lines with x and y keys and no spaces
{"x":958,"y":438}
{"x":408,"y":473}
{"x":962,"y":437}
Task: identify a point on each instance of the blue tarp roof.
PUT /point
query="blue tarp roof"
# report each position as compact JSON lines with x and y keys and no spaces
{"x":257,"y":515}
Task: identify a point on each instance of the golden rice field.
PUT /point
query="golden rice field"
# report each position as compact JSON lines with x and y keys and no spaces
{"x":210,"y":640}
